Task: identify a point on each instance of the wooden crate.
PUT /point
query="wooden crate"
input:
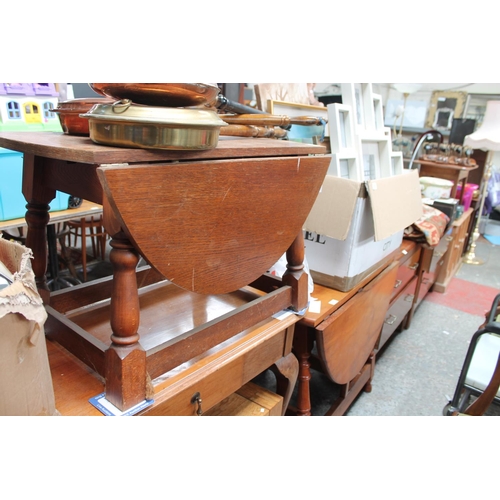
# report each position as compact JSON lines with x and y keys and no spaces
{"x":249,"y":401}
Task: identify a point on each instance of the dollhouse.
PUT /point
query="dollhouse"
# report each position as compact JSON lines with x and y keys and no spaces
{"x":28,"y":107}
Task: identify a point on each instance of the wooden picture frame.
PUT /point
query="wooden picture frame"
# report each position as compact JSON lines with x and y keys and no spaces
{"x":444,"y":106}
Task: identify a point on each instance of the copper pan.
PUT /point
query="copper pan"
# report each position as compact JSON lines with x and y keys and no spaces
{"x":160,"y":94}
{"x":69,"y":114}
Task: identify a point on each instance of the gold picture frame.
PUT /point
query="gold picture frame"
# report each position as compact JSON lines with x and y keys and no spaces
{"x":444,"y":106}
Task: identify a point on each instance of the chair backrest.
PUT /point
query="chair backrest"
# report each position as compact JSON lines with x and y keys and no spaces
{"x":482,"y":403}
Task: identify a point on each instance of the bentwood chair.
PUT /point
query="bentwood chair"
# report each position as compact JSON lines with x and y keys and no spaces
{"x":480,"y":375}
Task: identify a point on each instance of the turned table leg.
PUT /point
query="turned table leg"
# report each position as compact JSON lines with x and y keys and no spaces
{"x":295,"y":276}
{"x":371,"y":361}
{"x":302,"y":349}
{"x":37,"y":218}
{"x":125,"y":359}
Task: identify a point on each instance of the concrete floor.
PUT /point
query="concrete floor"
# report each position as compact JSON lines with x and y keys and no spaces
{"x":418,"y":371}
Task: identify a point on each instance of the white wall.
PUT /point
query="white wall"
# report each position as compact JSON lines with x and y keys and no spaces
{"x":387,"y":92}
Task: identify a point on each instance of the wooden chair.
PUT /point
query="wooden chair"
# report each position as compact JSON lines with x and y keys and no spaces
{"x":88,"y":227}
{"x":483,"y":402}
{"x":480,"y":375}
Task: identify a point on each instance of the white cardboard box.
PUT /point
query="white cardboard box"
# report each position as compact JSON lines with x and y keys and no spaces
{"x":354,"y":225}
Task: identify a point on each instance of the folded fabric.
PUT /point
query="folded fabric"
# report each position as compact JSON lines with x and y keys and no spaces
{"x":430,"y":227}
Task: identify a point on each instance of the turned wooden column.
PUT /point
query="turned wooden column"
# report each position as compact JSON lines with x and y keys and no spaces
{"x":37,"y":218}
{"x":38,"y":198}
{"x":294,"y":275}
{"x":125,"y":359}
{"x":302,"y":347}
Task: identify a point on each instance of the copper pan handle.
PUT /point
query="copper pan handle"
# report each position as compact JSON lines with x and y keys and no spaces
{"x":224,"y":104}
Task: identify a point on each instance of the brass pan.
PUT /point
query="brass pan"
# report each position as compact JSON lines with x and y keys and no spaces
{"x":129,"y":125}
{"x":160,"y":94}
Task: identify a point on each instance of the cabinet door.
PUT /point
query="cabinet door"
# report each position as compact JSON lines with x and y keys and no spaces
{"x":454,"y":253}
{"x":347,"y":338}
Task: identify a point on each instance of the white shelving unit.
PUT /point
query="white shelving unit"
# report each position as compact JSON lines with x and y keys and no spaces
{"x":360,"y":143}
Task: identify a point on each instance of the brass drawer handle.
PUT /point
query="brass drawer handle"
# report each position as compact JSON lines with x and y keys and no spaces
{"x":449,"y":238}
{"x":409,"y":298}
{"x":391,"y":319}
{"x":398,"y":282}
{"x":413,"y":267}
{"x":196,"y":399}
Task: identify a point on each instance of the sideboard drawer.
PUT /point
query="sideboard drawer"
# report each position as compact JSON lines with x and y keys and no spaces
{"x":398,"y":311}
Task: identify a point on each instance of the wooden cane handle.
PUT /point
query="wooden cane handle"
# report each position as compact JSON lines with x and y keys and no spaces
{"x":252,"y":131}
{"x":272,"y":120}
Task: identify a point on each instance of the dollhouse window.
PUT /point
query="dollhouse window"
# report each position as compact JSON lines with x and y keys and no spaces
{"x":47,"y":113}
{"x":30,"y":107}
{"x":13,"y":110}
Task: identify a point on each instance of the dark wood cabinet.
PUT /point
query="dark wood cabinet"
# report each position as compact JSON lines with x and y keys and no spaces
{"x":403,"y":294}
{"x":457,"y":239}
{"x":431,"y":262}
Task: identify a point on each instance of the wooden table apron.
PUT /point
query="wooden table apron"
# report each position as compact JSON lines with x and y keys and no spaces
{"x":136,"y":188}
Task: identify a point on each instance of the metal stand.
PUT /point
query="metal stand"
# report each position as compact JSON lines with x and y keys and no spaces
{"x":470,"y":257}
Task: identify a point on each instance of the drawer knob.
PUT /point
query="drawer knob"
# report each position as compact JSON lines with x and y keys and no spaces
{"x":398,"y":282}
{"x":413,"y":267}
{"x":196,"y":399}
{"x":409,"y":298}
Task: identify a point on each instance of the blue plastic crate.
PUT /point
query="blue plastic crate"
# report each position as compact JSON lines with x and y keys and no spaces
{"x":12,"y":202}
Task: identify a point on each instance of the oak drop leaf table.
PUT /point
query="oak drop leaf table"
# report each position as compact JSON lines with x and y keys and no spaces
{"x":209,"y":224}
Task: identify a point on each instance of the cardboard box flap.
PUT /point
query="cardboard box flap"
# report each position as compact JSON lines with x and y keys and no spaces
{"x":396,"y":203}
{"x":21,"y":296}
{"x":334,"y":207}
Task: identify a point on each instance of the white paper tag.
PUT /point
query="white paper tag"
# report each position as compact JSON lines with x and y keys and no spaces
{"x":283,"y":314}
{"x":315,"y":306}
